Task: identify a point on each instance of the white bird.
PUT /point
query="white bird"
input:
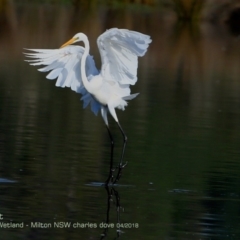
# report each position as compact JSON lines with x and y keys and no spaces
{"x":106,"y":89}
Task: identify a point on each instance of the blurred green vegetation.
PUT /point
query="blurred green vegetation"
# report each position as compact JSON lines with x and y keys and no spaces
{"x":83,"y":2}
{"x":186,"y":10}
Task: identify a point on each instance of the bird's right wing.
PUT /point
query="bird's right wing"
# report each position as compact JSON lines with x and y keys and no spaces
{"x":64,"y":64}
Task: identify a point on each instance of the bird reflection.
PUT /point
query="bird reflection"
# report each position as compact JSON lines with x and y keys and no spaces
{"x":113,"y":197}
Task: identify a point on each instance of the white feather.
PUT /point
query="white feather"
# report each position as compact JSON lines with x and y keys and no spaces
{"x":64,"y":64}
{"x":119,"y":50}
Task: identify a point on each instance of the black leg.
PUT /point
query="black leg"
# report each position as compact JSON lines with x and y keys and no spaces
{"x":121,"y":165}
{"x":111,"y":170}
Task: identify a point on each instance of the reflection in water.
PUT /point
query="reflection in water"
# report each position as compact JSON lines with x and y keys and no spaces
{"x":184,"y":131}
{"x":4,"y":180}
{"x":113,"y":199}
{"x":111,"y":192}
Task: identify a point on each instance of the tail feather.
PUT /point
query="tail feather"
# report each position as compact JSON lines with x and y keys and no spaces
{"x":130,"y":97}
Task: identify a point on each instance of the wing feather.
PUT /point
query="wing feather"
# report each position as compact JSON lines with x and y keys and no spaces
{"x":120,"y":49}
{"x":64,"y":64}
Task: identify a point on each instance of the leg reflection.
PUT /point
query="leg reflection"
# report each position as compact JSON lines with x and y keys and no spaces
{"x":112,"y":198}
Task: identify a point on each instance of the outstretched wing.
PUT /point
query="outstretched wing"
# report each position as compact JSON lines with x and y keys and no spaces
{"x":119,"y":49}
{"x":64,"y":64}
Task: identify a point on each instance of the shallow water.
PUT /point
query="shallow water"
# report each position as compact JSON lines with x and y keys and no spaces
{"x":183,"y":174}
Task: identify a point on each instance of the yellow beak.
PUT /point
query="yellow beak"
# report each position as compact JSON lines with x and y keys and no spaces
{"x":71,"y":41}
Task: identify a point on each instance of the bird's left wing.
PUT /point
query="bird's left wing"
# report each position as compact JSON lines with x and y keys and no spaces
{"x":120,"y":49}
{"x":64,"y":64}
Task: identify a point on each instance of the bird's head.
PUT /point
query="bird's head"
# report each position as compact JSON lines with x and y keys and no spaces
{"x":76,"y":38}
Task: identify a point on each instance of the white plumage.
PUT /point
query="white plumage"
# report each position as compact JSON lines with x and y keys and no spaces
{"x":105,"y":90}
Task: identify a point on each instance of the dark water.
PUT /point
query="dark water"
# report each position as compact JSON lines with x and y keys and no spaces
{"x":182,"y":180}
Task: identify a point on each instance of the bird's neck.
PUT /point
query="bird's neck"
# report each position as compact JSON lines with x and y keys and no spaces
{"x":86,"y":83}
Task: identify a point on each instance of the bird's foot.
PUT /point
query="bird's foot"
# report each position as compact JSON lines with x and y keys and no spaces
{"x":110,"y":177}
{"x":109,"y":180}
{"x":119,"y":174}
{"x":121,"y":166}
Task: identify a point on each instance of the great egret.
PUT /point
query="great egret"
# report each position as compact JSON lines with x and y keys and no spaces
{"x":106,"y":89}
